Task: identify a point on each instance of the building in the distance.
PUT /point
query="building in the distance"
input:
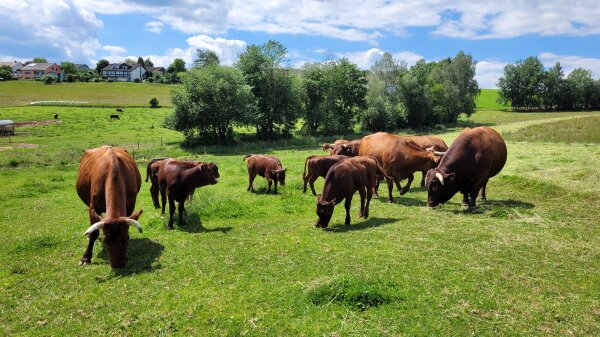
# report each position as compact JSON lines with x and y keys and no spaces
{"x":33,"y":71}
{"x":15,"y":65}
{"x":123,"y":72}
{"x":82,"y":67}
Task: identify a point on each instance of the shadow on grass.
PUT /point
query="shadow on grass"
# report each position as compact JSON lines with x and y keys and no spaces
{"x":142,"y":254}
{"x":194,"y":225}
{"x":370,"y":223}
{"x":496,"y":208}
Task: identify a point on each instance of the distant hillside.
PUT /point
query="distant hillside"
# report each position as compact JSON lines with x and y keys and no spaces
{"x":487,"y":100}
{"x":14,"y":93}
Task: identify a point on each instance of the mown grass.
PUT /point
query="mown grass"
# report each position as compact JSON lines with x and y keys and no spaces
{"x":488,"y":100}
{"x":526,"y":263}
{"x":576,"y":130}
{"x":13,"y":93}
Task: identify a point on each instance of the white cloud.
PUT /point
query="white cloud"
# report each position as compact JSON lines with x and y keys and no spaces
{"x":154,"y":26}
{"x":365,"y":59}
{"x":488,"y":72}
{"x":114,"y":50}
{"x":571,"y":62}
{"x":60,"y":28}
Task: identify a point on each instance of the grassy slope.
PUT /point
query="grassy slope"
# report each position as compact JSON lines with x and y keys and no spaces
{"x":103,"y":94}
{"x":526,"y":264}
{"x":487,"y":100}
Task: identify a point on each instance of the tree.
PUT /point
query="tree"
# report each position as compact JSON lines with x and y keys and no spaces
{"x":210,"y":101}
{"x":521,"y":85}
{"x":100,"y":65}
{"x":274,"y":86}
{"x":39,"y":60}
{"x":68,"y":68}
{"x":206,"y":57}
{"x":177,"y":66}
{"x":130,"y":61}
{"x":582,"y":85}
{"x":148,"y":63}
{"x":140,"y":60}
{"x":5,"y":73}
{"x":314,"y":96}
{"x":154,"y":102}
{"x":552,"y":84}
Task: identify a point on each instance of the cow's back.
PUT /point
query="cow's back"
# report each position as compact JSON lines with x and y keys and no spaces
{"x":493,"y":146}
{"x":424,"y":142}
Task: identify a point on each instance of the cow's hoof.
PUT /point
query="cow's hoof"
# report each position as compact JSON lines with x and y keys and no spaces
{"x":403,"y":191}
{"x":85,"y":261}
{"x":390,"y":201}
{"x":170,"y":227}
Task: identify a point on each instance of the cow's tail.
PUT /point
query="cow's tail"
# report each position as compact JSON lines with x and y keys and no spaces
{"x":380,"y":169}
{"x":305,"y":164}
{"x":152,"y":161}
{"x":247,"y":156}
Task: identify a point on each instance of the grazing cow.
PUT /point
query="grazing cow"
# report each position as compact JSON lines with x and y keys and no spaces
{"x":342,"y":181}
{"x":109,"y":181}
{"x":318,"y":166}
{"x":114,"y":117}
{"x":119,"y":110}
{"x":55,"y":116}
{"x":399,"y":158}
{"x":343,"y":147}
{"x":152,"y":173}
{"x":268,"y":167}
{"x":178,"y":179}
{"x":330,"y":147}
{"x":473,"y":158}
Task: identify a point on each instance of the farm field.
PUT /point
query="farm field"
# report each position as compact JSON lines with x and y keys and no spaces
{"x":526,"y":263}
{"x":487,"y":100}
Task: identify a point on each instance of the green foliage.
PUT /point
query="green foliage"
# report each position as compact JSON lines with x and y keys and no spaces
{"x":177,"y":66}
{"x":354,"y":293}
{"x":273,"y":85}
{"x":154,"y":102}
{"x":5,"y":73}
{"x":140,"y":60}
{"x":48,"y":79}
{"x":39,"y":60}
{"x":130,"y":61}
{"x":101,"y":64}
{"x":210,"y":102}
{"x":206,"y":57}
{"x":148,"y":63}
{"x":68,"y":68}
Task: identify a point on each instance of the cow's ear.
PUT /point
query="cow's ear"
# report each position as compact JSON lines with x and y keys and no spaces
{"x":450,"y":176}
{"x":285,"y":169}
{"x":95,"y":216}
{"x":136,"y":215}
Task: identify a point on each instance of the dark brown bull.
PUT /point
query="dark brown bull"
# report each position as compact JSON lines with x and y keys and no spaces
{"x":399,"y":157}
{"x":268,"y":167}
{"x":152,"y":173}
{"x":342,"y":181}
{"x":178,"y":179}
{"x":318,"y":166}
{"x":108,"y":182}
{"x":473,"y":158}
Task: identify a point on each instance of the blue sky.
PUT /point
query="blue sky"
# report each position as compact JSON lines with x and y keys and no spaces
{"x":494,"y":33}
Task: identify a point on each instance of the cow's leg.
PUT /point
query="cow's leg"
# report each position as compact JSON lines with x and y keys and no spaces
{"x":154,"y":193}
{"x":312,"y":184}
{"x":368,"y":203}
{"x":347,"y":204}
{"x":376,"y":188}
{"x":406,"y":187}
{"x":163,"y":197}
{"x":275,"y":183}
{"x":270,"y":182}
{"x":251,"y":176}
{"x":423,"y":174}
{"x":181,"y":209}
{"x":171,"y":211}
{"x":465,"y":198}
{"x":87,"y":255}
{"x":390,"y":185}
{"x":306,"y":179}
{"x":362,"y":193}
{"x":483,"y":195}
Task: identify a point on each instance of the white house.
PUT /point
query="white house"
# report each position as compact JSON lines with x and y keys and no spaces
{"x":16,"y":66}
{"x":123,"y":72}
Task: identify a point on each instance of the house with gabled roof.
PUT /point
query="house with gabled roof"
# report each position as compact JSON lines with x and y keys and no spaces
{"x":15,"y":66}
{"x":82,"y":67}
{"x":123,"y":72}
{"x":33,"y":71}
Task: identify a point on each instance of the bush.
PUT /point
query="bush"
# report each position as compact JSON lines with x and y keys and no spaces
{"x":137,"y":80}
{"x":154,"y":102}
{"x":47,"y":79}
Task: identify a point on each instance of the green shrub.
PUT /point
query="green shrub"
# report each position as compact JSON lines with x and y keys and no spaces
{"x":154,"y":102}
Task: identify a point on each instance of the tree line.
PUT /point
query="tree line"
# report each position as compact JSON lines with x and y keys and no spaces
{"x":322,"y":98}
{"x":527,"y":86}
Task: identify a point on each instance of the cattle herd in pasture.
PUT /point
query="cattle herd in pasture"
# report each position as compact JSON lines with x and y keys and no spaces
{"x":108,"y":180}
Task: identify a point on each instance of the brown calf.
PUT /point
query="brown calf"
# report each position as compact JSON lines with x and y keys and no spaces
{"x":109,"y":181}
{"x":152,"y":173}
{"x":318,"y":166}
{"x":268,"y":167}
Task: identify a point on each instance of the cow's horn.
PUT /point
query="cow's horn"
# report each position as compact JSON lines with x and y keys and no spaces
{"x":137,"y":225}
{"x":440,"y":177}
{"x":437,"y":153}
{"x":94,"y":227}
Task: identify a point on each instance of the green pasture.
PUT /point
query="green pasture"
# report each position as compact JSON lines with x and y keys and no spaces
{"x":116,"y":94}
{"x":488,"y":100}
{"x":526,"y":263}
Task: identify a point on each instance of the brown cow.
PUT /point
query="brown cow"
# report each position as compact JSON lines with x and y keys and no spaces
{"x":473,"y":158}
{"x":108,"y":182}
{"x":318,"y":166}
{"x":330,"y":147}
{"x":349,"y":148}
{"x":152,"y":173}
{"x":342,"y":181}
{"x":428,"y":142}
{"x":399,"y":158}
{"x":178,"y":179}
{"x":268,"y":167}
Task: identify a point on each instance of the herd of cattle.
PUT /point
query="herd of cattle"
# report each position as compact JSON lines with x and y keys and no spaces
{"x":108,"y":180}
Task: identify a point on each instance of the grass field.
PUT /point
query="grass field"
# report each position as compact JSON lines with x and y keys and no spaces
{"x":487,"y":100}
{"x":526,"y":263}
{"x":13,"y":93}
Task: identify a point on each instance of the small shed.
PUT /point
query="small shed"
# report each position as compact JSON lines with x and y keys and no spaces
{"x":7,"y":127}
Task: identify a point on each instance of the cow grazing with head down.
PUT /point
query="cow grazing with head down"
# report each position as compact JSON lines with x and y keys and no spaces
{"x":342,"y":181}
{"x":473,"y":158}
{"x":178,"y":179}
{"x":152,"y":173}
{"x":399,"y":158}
{"x":318,"y":166}
{"x":108,"y":182}
{"x":268,"y":167}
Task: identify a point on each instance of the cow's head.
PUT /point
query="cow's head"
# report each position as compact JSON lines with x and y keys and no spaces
{"x":115,"y":235}
{"x":328,"y":147}
{"x":324,"y":212}
{"x":440,"y":187}
{"x":279,"y":175}
{"x":208,"y":174}
{"x":343,"y":149}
